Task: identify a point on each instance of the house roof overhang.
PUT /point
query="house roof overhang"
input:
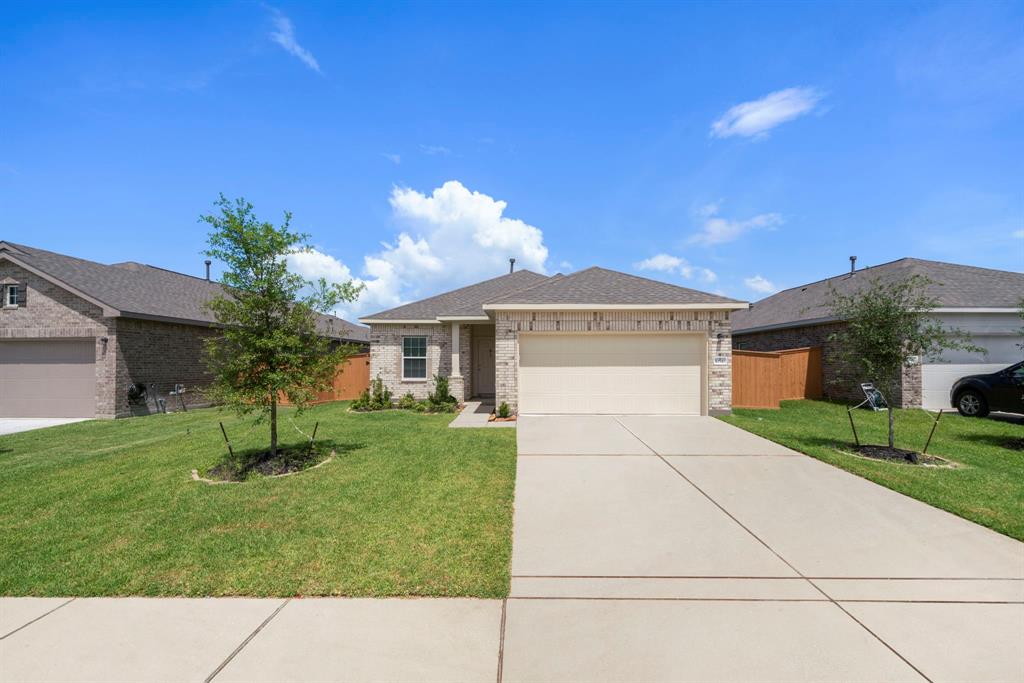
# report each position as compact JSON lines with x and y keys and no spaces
{"x":618,"y":307}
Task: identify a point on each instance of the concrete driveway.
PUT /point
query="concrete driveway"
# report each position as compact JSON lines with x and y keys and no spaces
{"x":13,"y":425}
{"x":664,"y":549}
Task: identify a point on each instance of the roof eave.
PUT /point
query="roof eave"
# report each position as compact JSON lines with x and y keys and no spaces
{"x":464,"y":318}
{"x":809,"y":322}
{"x":399,"y":321}
{"x":716,"y":306}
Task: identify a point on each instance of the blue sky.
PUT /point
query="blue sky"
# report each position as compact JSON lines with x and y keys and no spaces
{"x":737,"y":148}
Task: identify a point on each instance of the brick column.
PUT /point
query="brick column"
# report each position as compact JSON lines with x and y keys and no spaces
{"x":457,"y":385}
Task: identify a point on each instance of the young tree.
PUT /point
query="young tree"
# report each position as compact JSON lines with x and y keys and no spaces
{"x":274,"y":341}
{"x":1020,"y":330}
{"x":886,"y":324}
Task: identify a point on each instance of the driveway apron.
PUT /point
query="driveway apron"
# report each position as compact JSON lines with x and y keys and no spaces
{"x":682,"y":548}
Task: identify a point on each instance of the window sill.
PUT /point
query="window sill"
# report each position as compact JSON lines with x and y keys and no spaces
{"x":9,"y":307}
{"x":418,"y":380}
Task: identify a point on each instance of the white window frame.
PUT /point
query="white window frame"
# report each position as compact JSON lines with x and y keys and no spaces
{"x":9,"y":291}
{"x":426,"y":369}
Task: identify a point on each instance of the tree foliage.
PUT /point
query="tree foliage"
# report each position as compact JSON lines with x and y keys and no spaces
{"x":1020,"y":331}
{"x":888,"y":324}
{"x":274,"y":340}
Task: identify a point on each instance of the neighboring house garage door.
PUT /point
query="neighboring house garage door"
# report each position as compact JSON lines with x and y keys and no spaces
{"x":618,"y":374}
{"x":48,"y":378}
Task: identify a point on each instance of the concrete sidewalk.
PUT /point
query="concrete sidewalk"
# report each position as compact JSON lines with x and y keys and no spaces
{"x":240,"y":639}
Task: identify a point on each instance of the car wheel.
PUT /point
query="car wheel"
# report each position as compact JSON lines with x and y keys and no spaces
{"x":972,"y":404}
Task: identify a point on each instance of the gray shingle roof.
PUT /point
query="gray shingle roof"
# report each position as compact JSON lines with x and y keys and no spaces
{"x":140,"y":290}
{"x":464,"y":301}
{"x":954,"y":286}
{"x":603,"y":287}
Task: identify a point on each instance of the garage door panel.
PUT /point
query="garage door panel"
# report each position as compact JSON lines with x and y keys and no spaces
{"x":48,"y":378}
{"x":611,"y":374}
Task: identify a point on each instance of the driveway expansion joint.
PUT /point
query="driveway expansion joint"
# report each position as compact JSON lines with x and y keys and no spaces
{"x":784,"y":560}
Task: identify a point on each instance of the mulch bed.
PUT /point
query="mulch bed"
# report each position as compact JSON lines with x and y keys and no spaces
{"x":898,"y":455}
{"x":287,"y":461}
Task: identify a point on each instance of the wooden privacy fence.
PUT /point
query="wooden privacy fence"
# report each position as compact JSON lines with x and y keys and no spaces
{"x":760,"y":379}
{"x":352,"y":379}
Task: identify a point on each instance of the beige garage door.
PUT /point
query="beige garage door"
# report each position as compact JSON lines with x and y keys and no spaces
{"x":48,"y":378}
{"x":611,"y":374}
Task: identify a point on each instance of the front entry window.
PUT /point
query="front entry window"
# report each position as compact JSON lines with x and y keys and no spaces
{"x":414,"y":357}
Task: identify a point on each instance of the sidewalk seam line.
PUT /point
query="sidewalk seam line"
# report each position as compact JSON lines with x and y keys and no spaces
{"x":246,"y":641}
{"x":44,"y":614}
{"x":501,"y":640}
{"x":784,"y":560}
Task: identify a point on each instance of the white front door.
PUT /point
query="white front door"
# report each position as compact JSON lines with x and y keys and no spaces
{"x":483,"y":366}
{"x":611,"y":374}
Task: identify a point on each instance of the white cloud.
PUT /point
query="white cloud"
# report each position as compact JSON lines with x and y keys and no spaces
{"x":284,"y":35}
{"x":757,"y":117}
{"x":565,"y":266}
{"x":667,"y":263}
{"x":718,"y":230}
{"x":760,"y":284}
{"x":434,"y":150}
{"x":393,"y":158}
{"x":449,"y":238}
{"x":1019,"y":234}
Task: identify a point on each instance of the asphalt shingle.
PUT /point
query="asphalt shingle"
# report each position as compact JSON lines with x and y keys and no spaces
{"x":464,"y":301}
{"x":603,"y":287}
{"x":140,"y":290}
{"x":952,"y":285}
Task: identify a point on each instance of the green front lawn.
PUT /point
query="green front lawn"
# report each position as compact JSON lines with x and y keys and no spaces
{"x":987,"y":486}
{"x":408,"y":507}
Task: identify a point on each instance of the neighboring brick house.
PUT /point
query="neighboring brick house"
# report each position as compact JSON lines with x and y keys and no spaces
{"x":980,"y":301}
{"x":596,"y":341}
{"x":75,"y":334}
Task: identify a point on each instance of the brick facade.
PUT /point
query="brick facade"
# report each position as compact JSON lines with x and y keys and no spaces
{"x":715,"y":324}
{"x":127,"y":350}
{"x":161,"y":355}
{"x":839,"y":383}
{"x":386,"y":348}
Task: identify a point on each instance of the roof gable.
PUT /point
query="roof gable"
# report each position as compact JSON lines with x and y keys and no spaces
{"x":953,"y":286}
{"x":463,"y":302}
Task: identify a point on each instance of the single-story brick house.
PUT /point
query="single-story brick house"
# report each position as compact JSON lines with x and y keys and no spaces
{"x":75,"y":334}
{"x":981,"y":301}
{"x":596,"y":341}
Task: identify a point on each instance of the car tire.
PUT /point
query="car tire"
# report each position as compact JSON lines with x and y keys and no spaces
{"x":970,"y":403}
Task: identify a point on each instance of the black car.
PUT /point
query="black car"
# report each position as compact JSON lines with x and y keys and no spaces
{"x":1003,"y":391}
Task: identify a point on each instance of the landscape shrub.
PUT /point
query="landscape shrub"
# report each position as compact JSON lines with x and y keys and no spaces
{"x":503,"y":410}
{"x":440,"y":400}
{"x":377,"y":397}
{"x":380,"y":395}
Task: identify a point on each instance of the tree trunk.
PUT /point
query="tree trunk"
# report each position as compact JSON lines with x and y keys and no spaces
{"x":273,"y":426}
{"x":892,"y":430}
